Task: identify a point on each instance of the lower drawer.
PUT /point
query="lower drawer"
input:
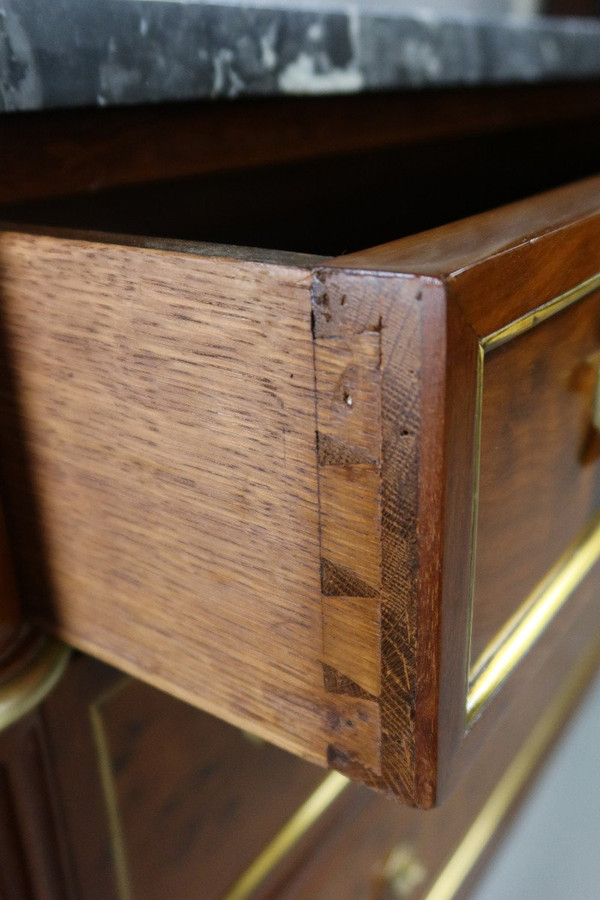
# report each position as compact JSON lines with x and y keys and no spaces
{"x":350,"y":504}
{"x":120,"y":791}
{"x":381,"y":851}
{"x":158,"y":799}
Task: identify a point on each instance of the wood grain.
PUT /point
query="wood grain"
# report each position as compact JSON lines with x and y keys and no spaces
{"x":352,"y":860}
{"x":168,"y":405}
{"x":378,"y":324}
{"x":192,"y":800}
{"x":195,"y":800}
{"x":538,"y":393}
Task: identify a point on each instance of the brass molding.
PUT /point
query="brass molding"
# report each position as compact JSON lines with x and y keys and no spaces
{"x":507,"y":649}
{"x":494,"y":811}
{"x":537,"y":316}
{"x":28,"y":684}
{"x":523,"y":629}
{"x":311,"y":810}
{"x":109,"y":789}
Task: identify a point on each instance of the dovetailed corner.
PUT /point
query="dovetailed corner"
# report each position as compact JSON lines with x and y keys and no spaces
{"x":348,"y":382}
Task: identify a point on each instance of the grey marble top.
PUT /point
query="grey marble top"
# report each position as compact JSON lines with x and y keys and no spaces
{"x":64,"y":53}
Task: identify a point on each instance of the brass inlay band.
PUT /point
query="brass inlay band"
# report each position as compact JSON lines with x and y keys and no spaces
{"x":523,"y":629}
{"x":117,"y":842}
{"x":506,"y":792}
{"x":20,"y":693}
{"x":474,"y":519}
{"x":539,"y":315}
{"x":306,"y":816}
{"x":509,"y":647}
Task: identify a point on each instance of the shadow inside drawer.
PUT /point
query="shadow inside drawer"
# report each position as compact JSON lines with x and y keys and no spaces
{"x":339,"y":203}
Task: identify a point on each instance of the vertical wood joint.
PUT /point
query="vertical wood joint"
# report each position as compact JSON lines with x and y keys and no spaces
{"x":349,"y":450}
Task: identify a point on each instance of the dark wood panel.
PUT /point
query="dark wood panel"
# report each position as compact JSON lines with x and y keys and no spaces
{"x":161,"y":799}
{"x":465,"y":282}
{"x":197,"y":799}
{"x":335,"y":202}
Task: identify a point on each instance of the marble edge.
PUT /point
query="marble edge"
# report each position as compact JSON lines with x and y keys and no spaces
{"x":120,"y":52}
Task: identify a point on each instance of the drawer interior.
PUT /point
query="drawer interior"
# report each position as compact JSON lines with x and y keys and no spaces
{"x":334,"y":204}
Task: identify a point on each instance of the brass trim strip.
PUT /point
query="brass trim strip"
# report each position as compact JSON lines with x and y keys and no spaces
{"x":539,"y":315}
{"x":477,"y":426}
{"x":482,"y":684}
{"x":115,"y":830}
{"x":538,"y":610}
{"x":305,"y":817}
{"x":487,"y":822}
{"x":22,"y":692}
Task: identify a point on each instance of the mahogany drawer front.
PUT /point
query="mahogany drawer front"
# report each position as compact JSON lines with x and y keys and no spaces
{"x":257,"y":480}
{"x":539,"y":479}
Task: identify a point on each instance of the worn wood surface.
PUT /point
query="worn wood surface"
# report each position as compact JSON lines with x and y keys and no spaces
{"x":378,"y":326}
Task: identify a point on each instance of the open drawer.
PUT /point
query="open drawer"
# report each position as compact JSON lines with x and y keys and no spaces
{"x":350,"y":504}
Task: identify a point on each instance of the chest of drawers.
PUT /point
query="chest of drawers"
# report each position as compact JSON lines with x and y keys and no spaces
{"x":347,"y":503}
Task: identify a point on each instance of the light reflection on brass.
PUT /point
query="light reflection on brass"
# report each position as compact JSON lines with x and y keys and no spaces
{"x":306,"y":816}
{"x":402,"y":872}
{"x":477,"y":838}
{"x":537,"y":316}
{"x":27,"y":687}
{"x":523,"y":629}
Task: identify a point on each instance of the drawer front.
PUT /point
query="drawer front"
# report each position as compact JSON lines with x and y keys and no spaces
{"x":539,"y":481}
{"x":269,"y":485}
{"x":382,"y":851}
